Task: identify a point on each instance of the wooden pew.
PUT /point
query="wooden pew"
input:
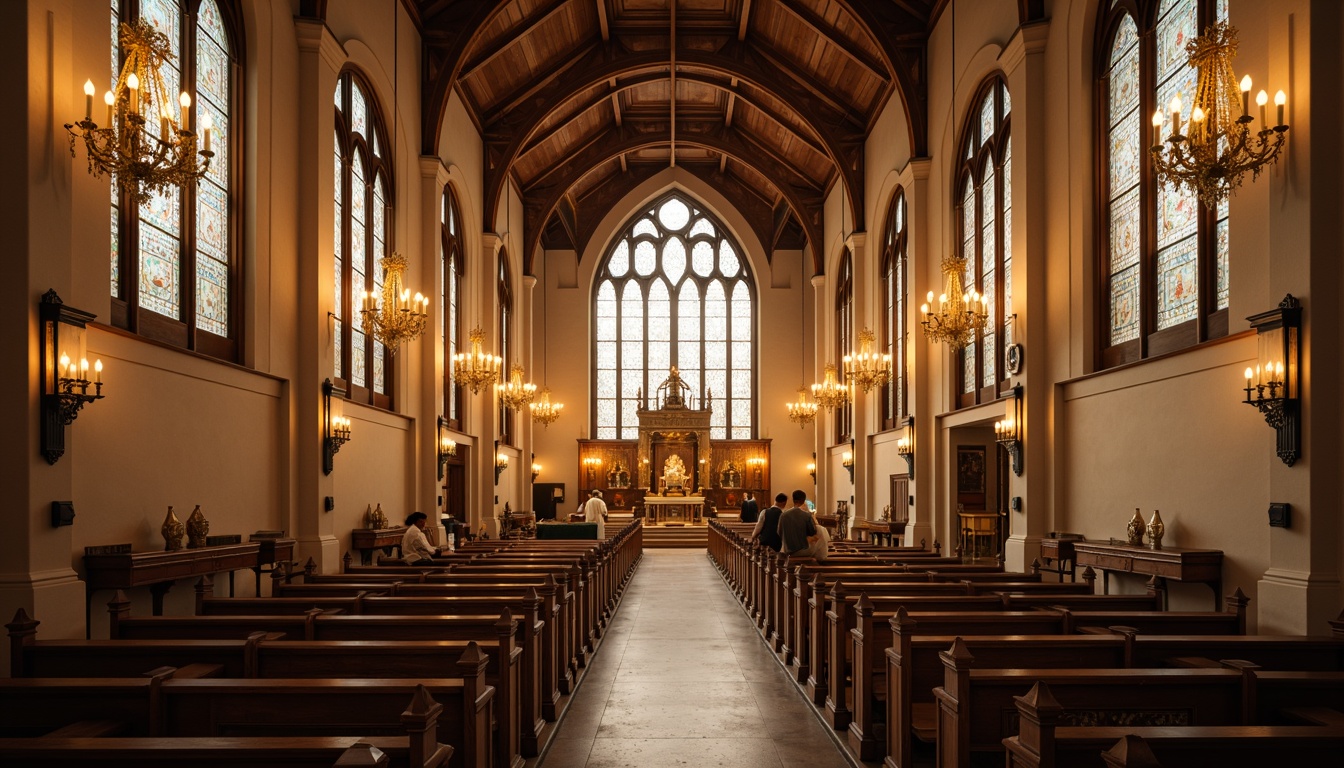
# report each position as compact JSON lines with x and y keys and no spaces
{"x":164,"y":707}
{"x":263,"y":752}
{"x":263,"y":656}
{"x":1044,"y":742}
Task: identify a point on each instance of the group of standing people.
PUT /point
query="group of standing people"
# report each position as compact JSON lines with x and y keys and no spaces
{"x":791,"y":531}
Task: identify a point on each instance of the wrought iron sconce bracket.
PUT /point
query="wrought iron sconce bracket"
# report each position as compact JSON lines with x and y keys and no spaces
{"x":848,"y":461}
{"x":335,"y":428}
{"x":447,"y":447}
{"x":1008,"y":433}
{"x":64,"y":380}
{"x":1275,"y":390}
{"x":812,"y":468}
{"x":905,"y":447}
{"x":501,"y":463}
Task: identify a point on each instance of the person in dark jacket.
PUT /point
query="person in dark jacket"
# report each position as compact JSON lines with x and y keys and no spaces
{"x":751,"y":511}
{"x":767,"y":526}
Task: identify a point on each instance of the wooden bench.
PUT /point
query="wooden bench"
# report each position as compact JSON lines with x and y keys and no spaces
{"x":263,"y":752}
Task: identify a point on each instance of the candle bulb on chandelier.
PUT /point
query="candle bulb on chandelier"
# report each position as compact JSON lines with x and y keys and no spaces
{"x":1249,"y":373}
{"x":185,"y":101}
{"x":205,"y":126}
{"x":1157,"y":128}
{"x":133,"y":83}
{"x":1175,"y":114}
{"x":1246,"y":96}
{"x":88,"y":99}
{"x":1261,"y":99}
{"x":65,"y":363}
{"x":84,"y":369}
{"x":1280,"y":99}
{"x":111,"y":105}
{"x":98,"y":371}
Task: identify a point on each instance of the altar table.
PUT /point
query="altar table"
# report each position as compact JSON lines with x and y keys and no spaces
{"x":686,"y":509}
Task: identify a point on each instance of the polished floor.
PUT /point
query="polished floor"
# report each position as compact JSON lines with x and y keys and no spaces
{"x":683,"y":679}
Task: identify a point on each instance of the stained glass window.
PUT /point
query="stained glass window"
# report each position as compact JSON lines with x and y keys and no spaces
{"x":454,"y":263}
{"x":894,"y":277}
{"x":674,"y":290}
{"x":985,"y":201}
{"x":362,"y":221}
{"x":1164,"y":258}
{"x":173,"y":260}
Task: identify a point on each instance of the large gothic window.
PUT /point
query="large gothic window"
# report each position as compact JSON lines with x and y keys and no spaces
{"x":674,"y":290}
{"x":894,"y":291}
{"x":175,"y":266}
{"x":985,"y":203}
{"x":454,"y":261}
{"x":363,"y":220}
{"x":1163,"y":271}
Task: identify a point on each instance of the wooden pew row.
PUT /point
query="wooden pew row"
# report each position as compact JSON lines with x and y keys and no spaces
{"x":262,"y":752}
{"x":1043,"y":742}
{"x":456,"y":709}
{"x":971,"y":702}
{"x":537,"y":702}
{"x":266,"y":656}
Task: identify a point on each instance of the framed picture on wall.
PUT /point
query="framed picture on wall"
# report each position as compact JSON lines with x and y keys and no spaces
{"x":970,"y":469}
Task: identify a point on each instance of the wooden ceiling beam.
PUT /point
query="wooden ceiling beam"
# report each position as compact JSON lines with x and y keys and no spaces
{"x":818,"y":25}
{"x":602,"y":20}
{"x":543,"y":80}
{"x":818,"y":90}
{"x":744,"y":21}
{"x":509,"y":40}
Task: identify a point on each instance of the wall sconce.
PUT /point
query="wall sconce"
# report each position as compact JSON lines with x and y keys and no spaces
{"x":1008,"y":433}
{"x":905,"y":447}
{"x":847,"y":461}
{"x":758,"y":464}
{"x":812,"y":467}
{"x":1274,"y":388}
{"x":501,"y":463}
{"x":592,"y":464}
{"x":65,"y":371}
{"x":335,"y":427}
{"x":536,"y":470}
{"x":447,"y":446}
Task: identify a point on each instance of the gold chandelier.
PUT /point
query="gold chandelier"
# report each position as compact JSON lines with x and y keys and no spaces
{"x":804,"y":411}
{"x":959,"y":314}
{"x":1217,"y":148}
{"x":867,"y":368}
{"x":145,"y":155}
{"x":476,"y":369}
{"x":514,"y":393}
{"x":830,"y":393}
{"x":544,"y":411}
{"x":397,"y":317}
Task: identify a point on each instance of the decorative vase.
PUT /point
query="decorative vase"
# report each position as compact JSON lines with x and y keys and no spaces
{"x":172,"y":532}
{"x":1134,"y":530}
{"x":368,"y":517}
{"x":379,"y":517}
{"x":1156,"y":529}
{"x":197,"y":529}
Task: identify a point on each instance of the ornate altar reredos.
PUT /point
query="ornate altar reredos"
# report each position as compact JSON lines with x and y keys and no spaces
{"x":673,"y":439}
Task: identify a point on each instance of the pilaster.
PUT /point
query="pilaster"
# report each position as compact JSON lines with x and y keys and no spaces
{"x":920,"y":353}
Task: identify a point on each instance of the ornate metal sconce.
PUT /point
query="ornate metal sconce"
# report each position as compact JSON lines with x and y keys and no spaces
{"x":847,"y":461}
{"x":592,"y":463}
{"x":335,"y":427}
{"x":65,"y":371}
{"x":905,"y":447}
{"x":812,"y":467}
{"x":1273,"y":386}
{"x":758,"y":464}
{"x":1008,"y":433}
{"x":446,"y":445}
{"x":501,"y":463}
{"x":536,"y":471}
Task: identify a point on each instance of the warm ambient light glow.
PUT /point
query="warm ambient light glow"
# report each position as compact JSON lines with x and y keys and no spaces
{"x":394,"y":317}
{"x":866,"y":368}
{"x":959,"y":314}
{"x":476,"y":369}
{"x":515,"y":393}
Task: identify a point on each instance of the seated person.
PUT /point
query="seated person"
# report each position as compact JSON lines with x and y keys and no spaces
{"x":799,"y":534}
{"x":414,"y":546}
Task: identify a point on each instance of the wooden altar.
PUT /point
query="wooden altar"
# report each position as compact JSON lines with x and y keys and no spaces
{"x":685,"y":509}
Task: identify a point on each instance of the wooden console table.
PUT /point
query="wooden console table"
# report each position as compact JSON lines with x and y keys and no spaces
{"x":158,"y":570}
{"x":273,"y":552}
{"x":366,"y":540}
{"x":890,"y":532}
{"x":688,"y":509}
{"x":1196,"y":565}
{"x":1060,"y":550}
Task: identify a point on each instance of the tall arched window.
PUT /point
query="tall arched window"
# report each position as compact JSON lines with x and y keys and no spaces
{"x":505,"y":287}
{"x":894,"y":289}
{"x":984,"y":202}
{"x":1163,"y":266}
{"x":674,"y":290}
{"x":454,"y":262}
{"x":176,"y":270}
{"x":363,"y":221}
{"x":844,"y":340}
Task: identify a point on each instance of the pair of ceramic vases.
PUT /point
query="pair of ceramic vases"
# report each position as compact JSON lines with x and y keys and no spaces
{"x":1155,"y":530}
{"x":196,"y":528}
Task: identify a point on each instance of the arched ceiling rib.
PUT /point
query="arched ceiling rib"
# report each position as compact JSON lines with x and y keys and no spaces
{"x":580,"y":99}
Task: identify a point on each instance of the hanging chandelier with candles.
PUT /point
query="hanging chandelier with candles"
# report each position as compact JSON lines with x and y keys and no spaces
{"x":394,"y":316}
{"x":830,"y":393}
{"x":1217,"y":147}
{"x":803,"y":411}
{"x":544,"y":411}
{"x":866,"y":368}
{"x":959,"y":313}
{"x":143,"y":144}
{"x":476,"y":369}
{"x":514,"y":393}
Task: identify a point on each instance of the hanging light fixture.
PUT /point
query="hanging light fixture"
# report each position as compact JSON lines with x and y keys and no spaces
{"x":544,"y":411}
{"x":392,"y":315}
{"x":514,"y":393}
{"x":866,"y":368}
{"x":476,"y":369}
{"x":830,"y":393}
{"x":802,"y":412}
{"x":1217,"y":147}
{"x":146,"y":155}
{"x":959,"y":314}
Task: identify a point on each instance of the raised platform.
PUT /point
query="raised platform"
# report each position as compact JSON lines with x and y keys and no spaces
{"x":665,"y":536}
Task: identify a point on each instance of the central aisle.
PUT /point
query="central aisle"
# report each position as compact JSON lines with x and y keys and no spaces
{"x":682,"y":678}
